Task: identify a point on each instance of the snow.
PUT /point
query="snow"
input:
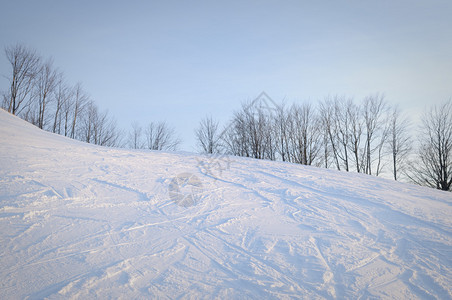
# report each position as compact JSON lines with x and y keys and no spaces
{"x":82,"y":221}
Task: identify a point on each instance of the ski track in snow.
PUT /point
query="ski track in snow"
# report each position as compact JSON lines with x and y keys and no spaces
{"x":80,"y":221}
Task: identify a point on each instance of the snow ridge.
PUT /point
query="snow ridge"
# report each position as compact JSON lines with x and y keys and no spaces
{"x":81,"y":221}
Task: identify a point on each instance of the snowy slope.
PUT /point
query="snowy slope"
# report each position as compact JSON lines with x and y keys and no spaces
{"x":80,"y":221}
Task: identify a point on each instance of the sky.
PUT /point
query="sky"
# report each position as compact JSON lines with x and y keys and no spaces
{"x":179,"y":61}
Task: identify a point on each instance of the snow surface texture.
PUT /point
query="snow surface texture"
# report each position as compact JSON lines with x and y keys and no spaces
{"x":81,"y":221}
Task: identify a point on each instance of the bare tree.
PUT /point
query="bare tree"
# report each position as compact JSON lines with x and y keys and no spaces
{"x":433,"y":166}
{"x":45,"y":84}
{"x":98,"y":128}
{"x":106,"y":132}
{"x":79,"y":101}
{"x":356,"y":133}
{"x":399,"y":141}
{"x":329,"y":145}
{"x":281,"y":129}
{"x":67,"y":111}
{"x":251,"y":133}
{"x":304,"y":134}
{"x":335,"y":118}
{"x":374,"y":109}
{"x":255,"y":123}
{"x":264,"y":141}
{"x":235,"y":137}
{"x":159,"y":136}
{"x":135,"y":134}
{"x":208,"y":136}
{"x":25,"y":64}
{"x":380,"y":150}
{"x":89,"y":120}
{"x":342,"y":128}
{"x":61,"y":95}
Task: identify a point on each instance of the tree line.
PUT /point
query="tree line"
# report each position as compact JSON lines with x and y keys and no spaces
{"x":39,"y":94}
{"x":368,"y":136}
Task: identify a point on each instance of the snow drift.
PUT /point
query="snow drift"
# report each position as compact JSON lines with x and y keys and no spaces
{"x":81,"y":221}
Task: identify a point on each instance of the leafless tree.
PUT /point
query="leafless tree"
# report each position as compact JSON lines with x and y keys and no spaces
{"x":335,"y":119}
{"x":235,"y":137}
{"x":355,"y":134}
{"x":376,"y":131}
{"x":25,"y":64}
{"x":67,"y":111}
{"x":304,"y":134}
{"x":270,"y":139}
{"x":89,"y":120}
{"x":135,"y":136}
{"x":326,"y":120}
{"x":208,"y":136}
{"x":341,"y":128}
{"x":281,"y":129}
{"x":98,"y":128}
{"x":255,"y":125}
{"x":251,"y":133}
{"x":380,"y":150}
{"x":61,"y":94}
{"x":356,"y":129}
{"x":433,"y":166}
{"x":399,"y":141}
{"x":79,"y":100}
{"x":45,"y":84}
{"x":106,"y":132}
{"x":159,"y":136}
{"x":237,"y":134}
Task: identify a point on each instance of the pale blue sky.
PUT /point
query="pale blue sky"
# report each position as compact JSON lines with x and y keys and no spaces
{"x":181,"y":60}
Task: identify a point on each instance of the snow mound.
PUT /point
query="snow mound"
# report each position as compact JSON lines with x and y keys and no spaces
{"x":81,"y":221}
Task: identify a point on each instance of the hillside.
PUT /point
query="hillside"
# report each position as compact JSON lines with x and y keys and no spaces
{"x":82,"y":221}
